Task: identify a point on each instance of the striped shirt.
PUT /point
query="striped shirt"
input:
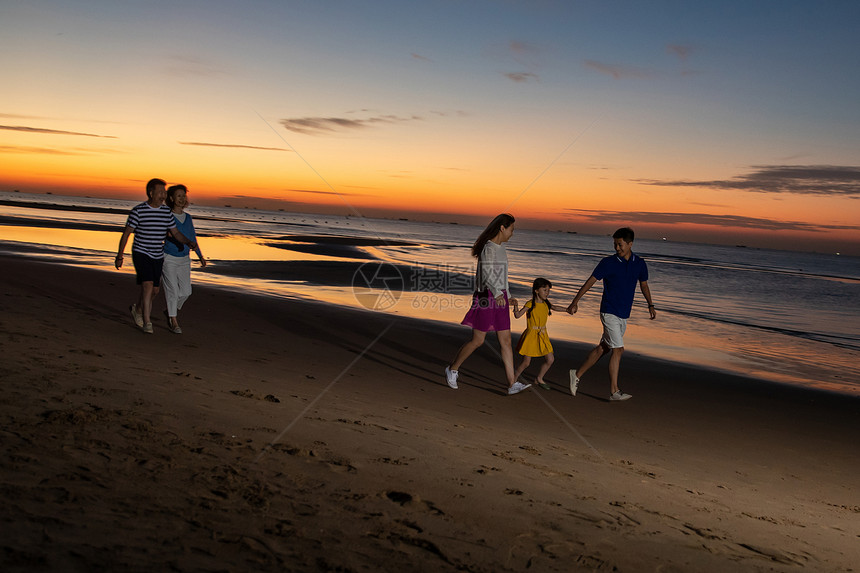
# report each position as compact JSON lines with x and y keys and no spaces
{"x":150,"y":228}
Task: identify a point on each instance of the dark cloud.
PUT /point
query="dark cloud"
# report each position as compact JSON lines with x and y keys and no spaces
{"x":312,"y":192}
{"x":525,"y":54}
{"x":523,"y":48}
{"x":521,"y":77}
{"x":737,"y":221}
{"x":50,"y":131}
{"x":680,"y":50}
{"x":525,"y":57}
{"x":458,"y":113}
{"x":616,"y":71}
{"x":798,"y":179}
{"x":308,"y":191}
{"x":231,"y":146}
{"x":326,"y":125}
{"x":299,"y":191}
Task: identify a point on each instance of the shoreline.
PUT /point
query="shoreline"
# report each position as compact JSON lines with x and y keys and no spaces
{"x":335,"y":275}
{"x":332,"y":277}
{"x":285,"y":434}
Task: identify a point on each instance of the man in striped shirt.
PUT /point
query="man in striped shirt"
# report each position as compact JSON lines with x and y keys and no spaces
{"x":150,"y":222}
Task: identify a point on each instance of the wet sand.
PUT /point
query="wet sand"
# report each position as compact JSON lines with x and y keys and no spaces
{"x":285,"y":435}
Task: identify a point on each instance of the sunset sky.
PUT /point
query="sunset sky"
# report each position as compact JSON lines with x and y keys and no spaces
{"x":724,"y":121}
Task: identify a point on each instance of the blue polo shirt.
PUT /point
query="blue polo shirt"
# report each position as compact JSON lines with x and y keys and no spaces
{"x":620,"y":278}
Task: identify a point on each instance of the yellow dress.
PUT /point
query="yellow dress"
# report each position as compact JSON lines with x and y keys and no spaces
{"x":535,"y":340}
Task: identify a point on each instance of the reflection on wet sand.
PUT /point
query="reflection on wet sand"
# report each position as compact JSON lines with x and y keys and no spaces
{"x":370,"y":273}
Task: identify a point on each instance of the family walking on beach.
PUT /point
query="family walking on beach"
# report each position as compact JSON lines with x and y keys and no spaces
{"x":164,"y":237}
{"x":490,"y":309}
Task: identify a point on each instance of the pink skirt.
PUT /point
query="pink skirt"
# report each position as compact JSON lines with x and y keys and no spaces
{"x":486,"y":315}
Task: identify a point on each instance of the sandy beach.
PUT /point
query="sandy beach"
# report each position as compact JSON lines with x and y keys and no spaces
{"x":283,"y":435}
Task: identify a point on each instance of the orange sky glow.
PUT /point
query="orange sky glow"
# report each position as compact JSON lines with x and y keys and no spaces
{"x":664,"y":124}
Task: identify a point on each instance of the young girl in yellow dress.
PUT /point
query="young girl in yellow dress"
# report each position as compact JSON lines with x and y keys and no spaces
{"x":535,"y":341}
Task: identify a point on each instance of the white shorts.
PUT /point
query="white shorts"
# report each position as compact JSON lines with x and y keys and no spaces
{"x":613,"y":330}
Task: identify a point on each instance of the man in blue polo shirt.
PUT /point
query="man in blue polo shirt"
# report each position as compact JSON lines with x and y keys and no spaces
{"x":620,"y":273}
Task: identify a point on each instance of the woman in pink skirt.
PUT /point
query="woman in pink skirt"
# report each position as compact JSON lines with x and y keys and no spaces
{"x":490,"y":310}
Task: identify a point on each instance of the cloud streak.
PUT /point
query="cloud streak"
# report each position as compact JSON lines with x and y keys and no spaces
{"x":313,"y":192}
{"x":19,"y":116}
{"x":42,"y":130}
{"x":329,"y":125}
{"x":40,"y":150}
{"x":527,"y":57}
{"x":681,"y":50}
{"x":72,"y":151}
{"x":231,"y":146}
{"x":616,"y":71}
{"x":521,"y":77}
{"x":183,"y":66}
{"x":737,"y":221}
{"x":833,"y":180}
{"x":299,"y":191}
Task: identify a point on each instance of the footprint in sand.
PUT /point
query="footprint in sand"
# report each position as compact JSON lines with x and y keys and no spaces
{"x":293,"y":451}
{"x":413,"y":502}
{"x":395,"y":462}
{"x":483,"y":470}
{"x":249,"y":394}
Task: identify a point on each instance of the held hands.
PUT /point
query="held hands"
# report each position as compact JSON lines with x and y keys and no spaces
{"x":515,"y":303}
{"x":574,"y":306}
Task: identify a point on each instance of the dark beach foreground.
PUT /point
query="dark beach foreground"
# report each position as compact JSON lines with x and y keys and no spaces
{"x":285,"y":435}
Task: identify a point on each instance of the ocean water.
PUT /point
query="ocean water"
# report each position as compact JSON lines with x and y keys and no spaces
{"x":782,"y":316}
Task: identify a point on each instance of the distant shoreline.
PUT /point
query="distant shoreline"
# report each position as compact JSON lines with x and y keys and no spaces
{"x":474,"y":221}
{"x":307,"y":259}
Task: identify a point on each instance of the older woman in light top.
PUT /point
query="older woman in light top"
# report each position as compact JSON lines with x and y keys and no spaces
{"x":176,"y":274}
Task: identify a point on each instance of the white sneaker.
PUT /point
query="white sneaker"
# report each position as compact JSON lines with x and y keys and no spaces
{"x":618,"y":396}
{"x":517,"y":388}
{"x":451,"y":377}
{"x":136,"y":316}
{"x":574,"y":382}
